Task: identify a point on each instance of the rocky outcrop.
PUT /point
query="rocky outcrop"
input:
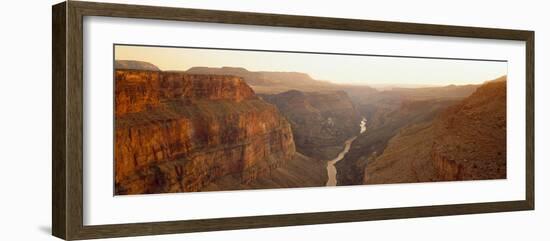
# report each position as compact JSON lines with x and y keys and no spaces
{"x":321,"y":121}
{"x":190,"y":87}
{"x":136,"y":91}
{"x":178,"y":132}
{"x":466,"y":141}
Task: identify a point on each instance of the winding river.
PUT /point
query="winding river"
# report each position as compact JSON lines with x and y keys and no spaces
{"x":331,"y":168}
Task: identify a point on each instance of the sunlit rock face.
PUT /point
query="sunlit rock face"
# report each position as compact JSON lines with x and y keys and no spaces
{"x":178,"y":132}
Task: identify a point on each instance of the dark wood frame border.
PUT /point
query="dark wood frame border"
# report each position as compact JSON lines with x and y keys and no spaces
{"x":67,"y":123}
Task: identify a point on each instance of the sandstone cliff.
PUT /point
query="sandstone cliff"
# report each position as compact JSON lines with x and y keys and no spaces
{"x":467,"y":141}
{"x":321,"y":121}
{"x":178,"y":132}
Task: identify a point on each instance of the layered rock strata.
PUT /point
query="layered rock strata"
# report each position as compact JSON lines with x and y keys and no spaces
{"x":178,"y":132}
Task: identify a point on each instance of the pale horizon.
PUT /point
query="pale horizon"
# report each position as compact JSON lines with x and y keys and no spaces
{"x":337,"y":69}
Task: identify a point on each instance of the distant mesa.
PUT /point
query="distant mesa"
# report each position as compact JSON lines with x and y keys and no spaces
{"x":235,"y":71}
{"x":263,"y":82}
{"x":274,"y":82}
{"x":277,"y":80}
{"x":234,"y":68}
{"x":135,"y":65}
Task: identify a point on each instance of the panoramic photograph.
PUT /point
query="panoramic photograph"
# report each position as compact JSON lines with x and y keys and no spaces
{"x":204,"y":119}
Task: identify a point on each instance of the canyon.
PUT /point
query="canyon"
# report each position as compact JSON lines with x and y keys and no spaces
{"x":228,"y":128}
{"x":466,"y":141}
{"x":179,"y":132}
{"x":386,"y":122}
{"x":321,"y":121}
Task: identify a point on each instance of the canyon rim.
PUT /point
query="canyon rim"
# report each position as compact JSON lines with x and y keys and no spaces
{"x":196,"y":119}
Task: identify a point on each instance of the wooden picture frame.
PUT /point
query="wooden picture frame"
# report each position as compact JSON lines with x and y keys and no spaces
{"x":67,"y":149}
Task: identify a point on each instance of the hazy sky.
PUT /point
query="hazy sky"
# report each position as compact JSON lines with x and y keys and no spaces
{"x":367,"y":70}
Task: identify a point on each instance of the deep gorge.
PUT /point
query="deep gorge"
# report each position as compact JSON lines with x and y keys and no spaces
{"x":211,"y":129}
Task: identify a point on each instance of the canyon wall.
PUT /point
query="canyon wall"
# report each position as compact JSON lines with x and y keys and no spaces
{"x":470,"y":141}
{"x":388,"y":111}
{"x":136,"y":91}
{"x":466,"y":141}
{"x":179,"y":132}
{"x":321,"y":121}
{"x":385,"y":123}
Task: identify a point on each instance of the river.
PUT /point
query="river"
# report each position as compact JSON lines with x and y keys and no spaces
{"x":363,"y":125}
{"x":331,"y":168}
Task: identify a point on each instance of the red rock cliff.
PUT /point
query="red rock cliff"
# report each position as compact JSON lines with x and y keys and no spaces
{"x":136,"y":91}
{"x":178,"y":132}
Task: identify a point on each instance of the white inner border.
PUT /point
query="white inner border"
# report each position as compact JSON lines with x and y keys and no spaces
{"x":101,"y":207}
